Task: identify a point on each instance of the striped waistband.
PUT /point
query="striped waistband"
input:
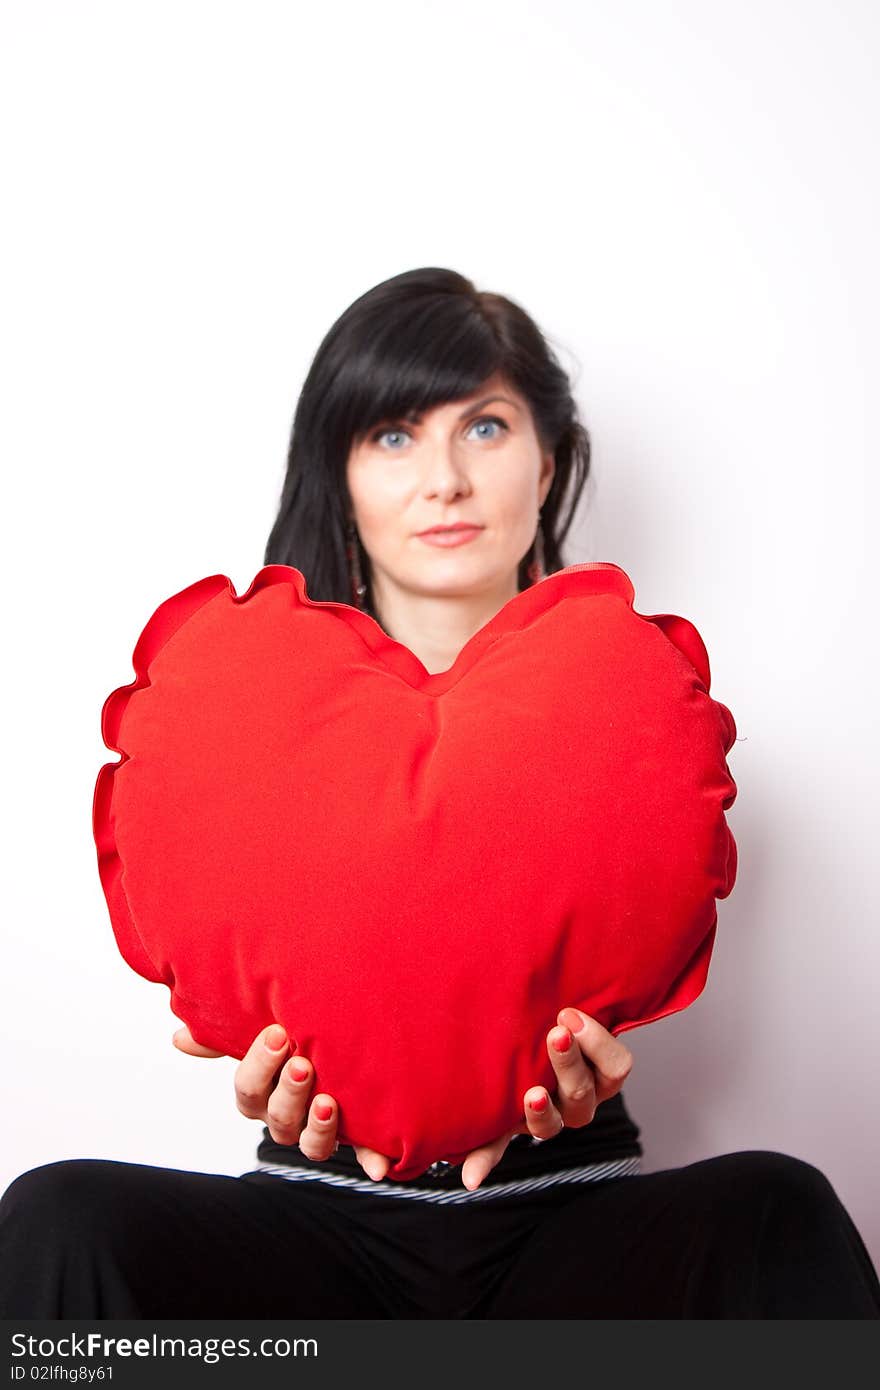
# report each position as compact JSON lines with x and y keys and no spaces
{"x":591,"y":1172}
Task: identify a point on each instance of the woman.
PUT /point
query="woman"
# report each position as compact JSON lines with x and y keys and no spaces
{"x":432,"y":405}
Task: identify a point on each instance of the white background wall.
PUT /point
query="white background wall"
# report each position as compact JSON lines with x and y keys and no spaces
{"x":684,"y":195}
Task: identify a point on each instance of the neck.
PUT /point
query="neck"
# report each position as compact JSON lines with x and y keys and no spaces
{"x":435,"y":627}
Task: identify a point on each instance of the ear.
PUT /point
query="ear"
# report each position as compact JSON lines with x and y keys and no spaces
{"x":548,"y":472}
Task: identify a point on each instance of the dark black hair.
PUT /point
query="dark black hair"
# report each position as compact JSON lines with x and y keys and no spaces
{"x":420,"y":339}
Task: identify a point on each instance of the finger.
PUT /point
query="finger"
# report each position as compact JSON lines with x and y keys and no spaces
{"x":481,"y":1161}
{"x":318,"y":1140}
{"x":611,"y":1059}
{"x":374,"y":1164}
{"x":256,"y":1072}
{"x":185,"y":1042}
{"x":576,"y":1089}
{"x":286,"y":1106}
{"x":543,"y":1119}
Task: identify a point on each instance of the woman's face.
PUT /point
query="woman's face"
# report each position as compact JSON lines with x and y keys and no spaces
{"x":477,"y":460}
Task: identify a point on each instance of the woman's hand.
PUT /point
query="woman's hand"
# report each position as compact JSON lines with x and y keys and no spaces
{"x":588,"y":1073}
{"x":266,"y":1089}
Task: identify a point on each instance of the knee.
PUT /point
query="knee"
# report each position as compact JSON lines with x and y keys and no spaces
{"x":785,"y":1174}
{"x":782,"y":1181}
{"x":61,"y":1191}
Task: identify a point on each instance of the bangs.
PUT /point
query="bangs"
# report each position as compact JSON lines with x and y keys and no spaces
{"x":411,"y":362}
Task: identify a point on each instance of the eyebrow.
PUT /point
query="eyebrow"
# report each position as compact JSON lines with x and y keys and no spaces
{"x":478,"y":405}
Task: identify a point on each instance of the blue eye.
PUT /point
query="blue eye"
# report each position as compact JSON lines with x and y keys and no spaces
{"x":483,"y":420}
{"x":491,"y":420}
{"x":380,"y":434}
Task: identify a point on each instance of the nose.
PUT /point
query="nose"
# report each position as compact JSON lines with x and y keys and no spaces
{"x":445,"y":476}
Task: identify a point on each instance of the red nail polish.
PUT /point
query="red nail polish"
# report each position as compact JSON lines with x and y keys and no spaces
{"x":323,"y":1111}
{"x":562,"y":1043}
{"x":539,"y":1104}
{"x":299,"y":1073}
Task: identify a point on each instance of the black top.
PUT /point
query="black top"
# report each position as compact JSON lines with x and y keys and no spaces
{"x":611,"y":1134}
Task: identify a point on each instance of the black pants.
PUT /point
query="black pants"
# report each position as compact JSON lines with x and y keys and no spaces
{"x":755,"y":1234}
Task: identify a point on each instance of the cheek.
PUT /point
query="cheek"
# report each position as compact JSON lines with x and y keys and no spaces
{"x":369,"y":493}
{"x":517,"y":503}
{"x":380,"y":507}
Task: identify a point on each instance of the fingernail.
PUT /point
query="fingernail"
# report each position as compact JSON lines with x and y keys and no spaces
{"x":539,"y":1104}
{"x":562,"y":1042}
{"x":573,"y":1020}
{"x":276,"y":1039}
{"x":298,"y":1073}
{"x":323,"y":1111}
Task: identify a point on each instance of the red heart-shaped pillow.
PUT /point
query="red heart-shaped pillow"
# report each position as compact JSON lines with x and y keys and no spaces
{"x":412,"y":872}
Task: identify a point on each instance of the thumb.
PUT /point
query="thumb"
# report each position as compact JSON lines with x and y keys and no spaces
{"x":481,"y":1161}
{"x":184,"y":1042}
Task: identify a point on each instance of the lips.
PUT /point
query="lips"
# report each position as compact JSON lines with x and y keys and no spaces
{"x":445,"y":530}
{"x":450,"y":536}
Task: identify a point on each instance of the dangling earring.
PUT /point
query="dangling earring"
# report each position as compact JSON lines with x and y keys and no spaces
{"x":536,"y":569}
{"x":358,"y":587}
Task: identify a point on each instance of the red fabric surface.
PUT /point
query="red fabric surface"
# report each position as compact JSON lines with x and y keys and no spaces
{"x":411,"y":872}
